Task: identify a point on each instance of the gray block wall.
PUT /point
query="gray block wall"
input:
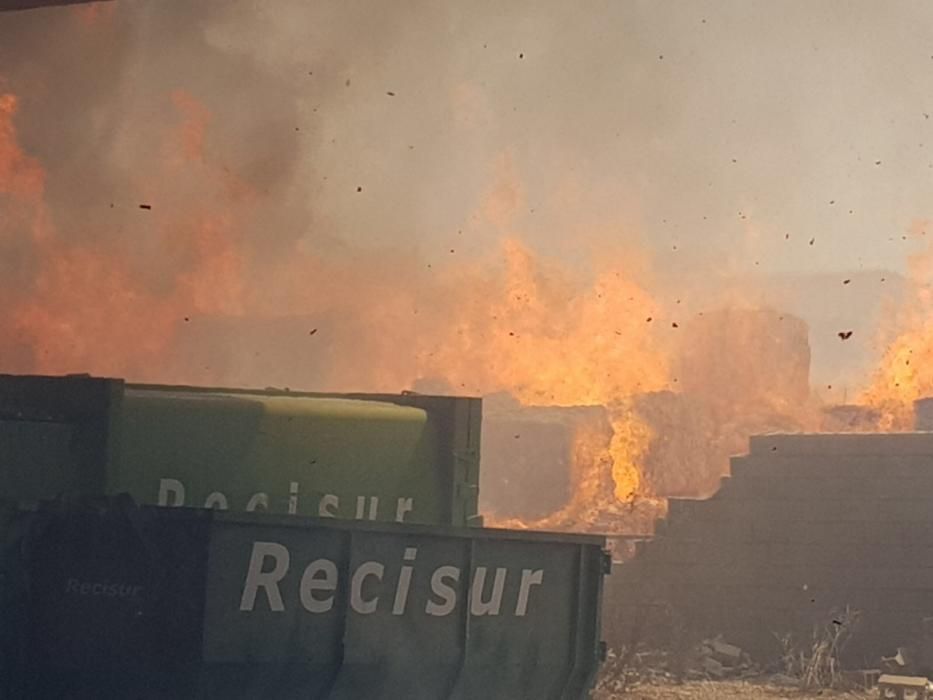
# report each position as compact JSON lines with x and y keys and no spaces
{"x":804,"y":526}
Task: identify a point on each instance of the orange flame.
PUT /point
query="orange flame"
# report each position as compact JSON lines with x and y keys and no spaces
{"x":905,"y":372}
{"x":535,"y":334}
{"x":20,"y":176}
{"x":95,"y":13}
{"x":510,"y":322}
{"x":89,"y":311}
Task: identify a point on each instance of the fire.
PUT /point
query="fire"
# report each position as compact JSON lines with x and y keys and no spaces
{"x":21,"y":177}
{"x":93,"y":14}
{"x":193,"y":128}
{"x":631,"y":438}
{"x":905,"y":372}
{"x":89,"y":309}
{"x":903,"y":376}
{"x":510,"y":321}
{"x":518,"y":324}
{"x":548,"y":341}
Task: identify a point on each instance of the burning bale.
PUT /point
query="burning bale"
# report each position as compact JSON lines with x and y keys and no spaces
{"x":560,"y":468}
{"x":849,"y":418}
{"x":531,"y":454}
{"x":737,"y":357}
{"x":682,"y":459}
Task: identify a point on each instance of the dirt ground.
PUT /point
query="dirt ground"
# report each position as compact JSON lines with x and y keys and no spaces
{"x":727,"y":690}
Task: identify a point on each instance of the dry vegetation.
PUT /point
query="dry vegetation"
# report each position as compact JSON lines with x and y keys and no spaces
{"x":751,"y":689}
{"x":712,"y":669}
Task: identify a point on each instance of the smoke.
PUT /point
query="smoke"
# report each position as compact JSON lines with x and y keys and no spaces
{"x":343,"y":163}
{"x":535,"y":200}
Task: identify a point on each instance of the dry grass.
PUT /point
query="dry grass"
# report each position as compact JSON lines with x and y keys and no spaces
{"x":816,"y":661}
{"x":809,"y":669}
{"x":716,"y":690}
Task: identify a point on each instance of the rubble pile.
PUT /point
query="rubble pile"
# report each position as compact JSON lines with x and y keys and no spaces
{"x":711,"y":659}
{"x":719,"y":659}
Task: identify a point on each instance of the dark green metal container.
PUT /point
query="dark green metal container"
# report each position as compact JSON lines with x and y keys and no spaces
{"x":9,"y":5}
{"x":182,"y":603}
{"x":381,"y":457}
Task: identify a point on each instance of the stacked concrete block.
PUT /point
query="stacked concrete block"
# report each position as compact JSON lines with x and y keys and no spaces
{"x":806,"y":526}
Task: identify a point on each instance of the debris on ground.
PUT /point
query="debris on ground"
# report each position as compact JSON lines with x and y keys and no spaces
{"x":711,"y":659}
{"x":729,"y":690}
{"x":914,"y":687}
{"x":715,"y":668}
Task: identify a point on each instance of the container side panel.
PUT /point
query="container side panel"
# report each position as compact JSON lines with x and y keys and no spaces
{"x":36,"y":460}
{"x":253,"y":645}
{"x":307,"y":456}
{"x":587,"y":634}
{"x":14,"y":602}
{"x":405,"y":630}
{"x":86,"y":404}
{"x":465,"y":436}
{"x":355,"y":613}
{"x":531,"y":655}
{"x":196,"y":604}
{"x":116,"y":602}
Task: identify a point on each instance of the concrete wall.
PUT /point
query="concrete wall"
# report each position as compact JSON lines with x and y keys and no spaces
{"x":805,"y":526}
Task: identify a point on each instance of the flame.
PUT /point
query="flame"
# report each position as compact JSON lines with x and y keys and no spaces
{"x":511,"y":322}
{"x":903,"y":376}
{"x":193,"y":129}
{"x":508,"y":321}
{"x":89,"y":310}
{"x":905,"y":372}
{"x":548,"y":342}
{"x":534,"y":334}
{"x":93,"y":14}
{"x":631,"y":438}
{"x":607,"y":482}
{"x":21,"y":177}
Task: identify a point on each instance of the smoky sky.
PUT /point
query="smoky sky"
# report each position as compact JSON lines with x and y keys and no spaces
{"x":717,"y":128}
{"x":736,"y":131}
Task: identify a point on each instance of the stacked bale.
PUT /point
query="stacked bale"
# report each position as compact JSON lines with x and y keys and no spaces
{"x":739,"y":358}
{"x":530,"y":456}
{"x":684,"y":457}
